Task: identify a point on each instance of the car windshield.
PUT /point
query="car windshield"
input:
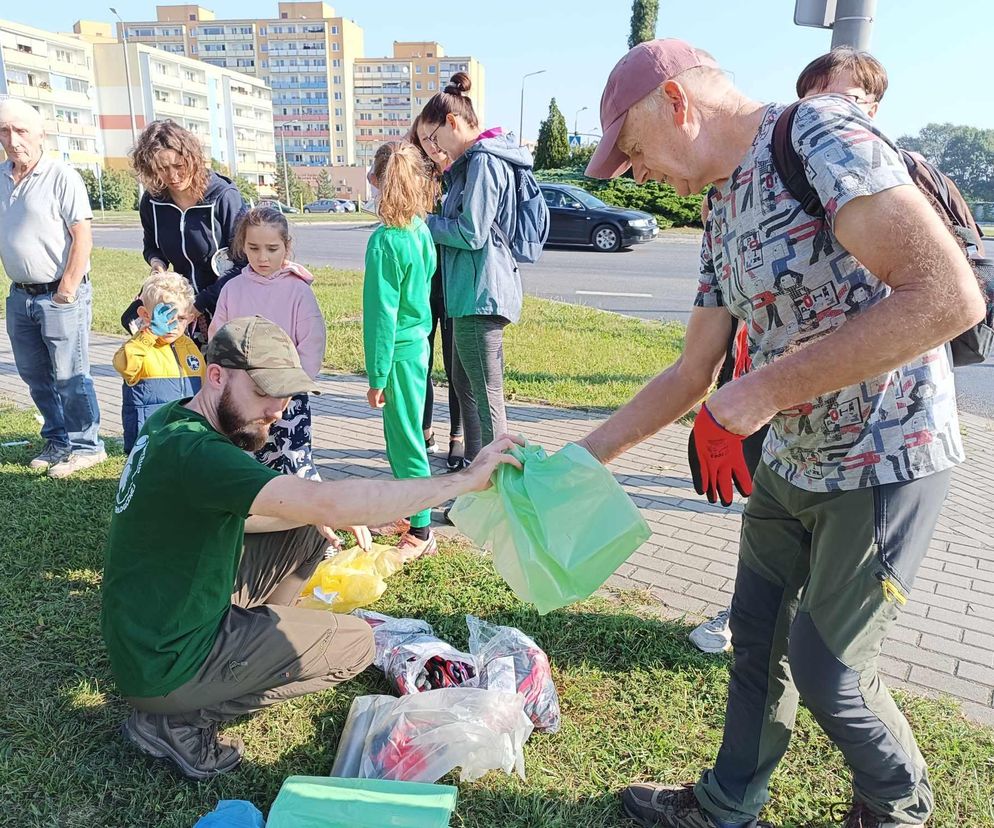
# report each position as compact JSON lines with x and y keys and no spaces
{"x":585,"y":198}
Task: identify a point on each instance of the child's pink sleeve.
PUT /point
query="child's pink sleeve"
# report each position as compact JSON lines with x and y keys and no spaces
{"x":310,"y":334}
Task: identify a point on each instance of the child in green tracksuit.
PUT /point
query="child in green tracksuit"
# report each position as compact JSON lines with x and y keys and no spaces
{"x":396,"y":313}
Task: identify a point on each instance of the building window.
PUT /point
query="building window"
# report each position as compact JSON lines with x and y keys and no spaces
{"x":417,"y":70}
{"x":63,"y":55}
{"x":162,"y":96}
{"x":431,"y":69}
{"x":338,"y":127}
{"x":193,"y":17}
{"x":431,"y":85}
{"x":335,"y":47}
{"x":338,"y":96}
{"x":336,"y":63}
{"x":340,"y":144}
{"x":418,"y":86}
{"x":338,"y":112}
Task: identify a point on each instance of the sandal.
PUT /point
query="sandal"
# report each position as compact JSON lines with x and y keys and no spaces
{"x":457,"y":455}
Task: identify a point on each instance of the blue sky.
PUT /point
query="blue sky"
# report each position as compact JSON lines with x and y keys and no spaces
{"x":936,"y":58}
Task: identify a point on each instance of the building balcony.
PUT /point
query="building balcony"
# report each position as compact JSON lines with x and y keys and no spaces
{"x":57,"y":127}
{"x":30,"y":93}
{"x":16,"y":59}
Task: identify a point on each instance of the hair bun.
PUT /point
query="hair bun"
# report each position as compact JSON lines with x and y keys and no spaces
{"x":459,"y":85}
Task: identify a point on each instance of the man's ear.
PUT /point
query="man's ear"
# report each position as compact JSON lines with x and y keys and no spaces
{"x":144,"y":315}
{"x":676,"y":98}
{"x":214,"y":375}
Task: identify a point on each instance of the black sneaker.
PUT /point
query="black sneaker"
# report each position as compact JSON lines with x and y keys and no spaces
{"x":671,"y":806}
{"x":198,"y":752}
{"x":457,"y":456}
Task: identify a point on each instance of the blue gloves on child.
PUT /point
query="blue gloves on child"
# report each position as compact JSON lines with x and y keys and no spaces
{"x":164,"y":320}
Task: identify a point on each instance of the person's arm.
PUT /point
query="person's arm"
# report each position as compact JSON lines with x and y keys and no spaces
{"x":900,"y":239}
{"x":310,"y":333}
{"x":219,"y":316}
{"x":370,"y":502}
{"x":258,"y":524}
{"x":672,"y":393}
{"x":151,"y":251}
{"x":380,"y":303}
{"x":129,"y":361}
{"x":79,"y":258}
{"x":470,"y":230}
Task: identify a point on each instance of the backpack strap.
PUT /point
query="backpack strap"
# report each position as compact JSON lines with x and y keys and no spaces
{"x":790,"y":167}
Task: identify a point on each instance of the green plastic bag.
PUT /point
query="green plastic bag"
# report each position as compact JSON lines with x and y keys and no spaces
{"x":558,"y":529}
{"x":325,"y":802}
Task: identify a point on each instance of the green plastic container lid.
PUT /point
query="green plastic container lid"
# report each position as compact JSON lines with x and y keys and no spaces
{"x":328,"y":802}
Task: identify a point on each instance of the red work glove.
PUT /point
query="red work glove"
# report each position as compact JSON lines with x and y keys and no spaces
{"x":716,"y":460}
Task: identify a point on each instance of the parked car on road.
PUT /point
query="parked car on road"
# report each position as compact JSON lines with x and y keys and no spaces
{"x":324,"y":205}
{"x":278,"y":205}
{"x":577,"y":217}
{"x":348,"y":206}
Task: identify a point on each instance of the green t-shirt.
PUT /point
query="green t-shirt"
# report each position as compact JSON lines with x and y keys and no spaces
{"x":174,"y":547}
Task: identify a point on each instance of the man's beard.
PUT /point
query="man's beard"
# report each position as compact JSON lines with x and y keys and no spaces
{"x":250,"y":435}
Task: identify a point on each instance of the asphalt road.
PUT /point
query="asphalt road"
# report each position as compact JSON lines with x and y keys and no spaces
{"x":653,"y":281}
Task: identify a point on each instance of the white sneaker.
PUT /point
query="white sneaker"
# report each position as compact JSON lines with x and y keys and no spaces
{"x":49,"y":456}
{"x":713,"y":636}
{"x":75,"y":462}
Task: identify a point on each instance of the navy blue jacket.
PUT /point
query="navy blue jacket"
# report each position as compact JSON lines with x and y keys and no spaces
{"x":187,"y":239}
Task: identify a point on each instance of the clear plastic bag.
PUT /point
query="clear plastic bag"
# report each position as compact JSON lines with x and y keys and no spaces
{"x":413,"y":659}
{"x":350,"y":579}
{"x":421,"y":738}
{"x":509,"y":660}
{"x":558,"y":529}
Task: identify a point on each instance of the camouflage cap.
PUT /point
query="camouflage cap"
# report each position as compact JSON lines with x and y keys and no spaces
{"x":263,"y":350}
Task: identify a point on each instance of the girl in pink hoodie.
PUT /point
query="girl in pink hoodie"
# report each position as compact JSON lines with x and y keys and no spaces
{"x":273,"y":287}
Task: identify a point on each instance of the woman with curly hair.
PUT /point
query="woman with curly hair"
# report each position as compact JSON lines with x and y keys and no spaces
{"x":187,"y":212}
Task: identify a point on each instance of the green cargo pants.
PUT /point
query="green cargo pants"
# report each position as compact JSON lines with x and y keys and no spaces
{"x":820,"y":581}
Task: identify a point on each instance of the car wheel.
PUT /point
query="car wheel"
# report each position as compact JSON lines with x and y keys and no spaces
{"x":306,"y":210}
{"x":606,"y":238}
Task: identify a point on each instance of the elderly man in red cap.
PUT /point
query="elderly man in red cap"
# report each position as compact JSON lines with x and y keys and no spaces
{"x":851,"y":373}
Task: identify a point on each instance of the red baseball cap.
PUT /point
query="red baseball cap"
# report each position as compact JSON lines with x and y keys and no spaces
{"x":638,"y":73}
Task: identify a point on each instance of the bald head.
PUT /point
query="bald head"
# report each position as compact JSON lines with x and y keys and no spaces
{"x":22,"y":133}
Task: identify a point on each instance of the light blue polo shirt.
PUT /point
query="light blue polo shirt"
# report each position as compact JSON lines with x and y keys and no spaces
{"x":35,"y":217}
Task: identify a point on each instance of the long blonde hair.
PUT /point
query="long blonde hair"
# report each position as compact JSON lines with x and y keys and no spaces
{"x":407,"y":185}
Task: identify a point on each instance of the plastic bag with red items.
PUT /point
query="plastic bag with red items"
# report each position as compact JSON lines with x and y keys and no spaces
{"x":413,"y":659}
{"x":509,"y":660}
{"x":421,"y":738}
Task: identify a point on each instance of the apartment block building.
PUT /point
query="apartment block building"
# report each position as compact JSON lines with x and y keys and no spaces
{"x":54,"y":73}
{"x":305,"y":55}
{"x":391,"y":92}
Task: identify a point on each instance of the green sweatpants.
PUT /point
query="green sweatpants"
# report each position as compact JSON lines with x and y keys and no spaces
{"x":405,"y":393}
{"x":821,"y":578}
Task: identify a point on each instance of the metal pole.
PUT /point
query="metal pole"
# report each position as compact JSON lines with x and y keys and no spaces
{"x":100,"y":186}
{"x":853,"y":23}
{"x":127,"y":77}
{"x":521,"y":126}
{"x":286,"y":181}
{"x":576,"y":120}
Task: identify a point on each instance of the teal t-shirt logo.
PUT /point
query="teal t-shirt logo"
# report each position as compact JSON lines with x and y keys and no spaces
{"x":126,"y":488}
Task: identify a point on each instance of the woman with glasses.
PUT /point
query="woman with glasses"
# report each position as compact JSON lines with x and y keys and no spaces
{"x":480,"y":279}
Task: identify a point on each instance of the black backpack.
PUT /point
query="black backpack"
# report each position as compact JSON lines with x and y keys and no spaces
{"x":971,"y":346}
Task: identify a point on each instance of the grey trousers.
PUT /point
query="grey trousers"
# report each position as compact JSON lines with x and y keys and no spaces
{"x":820,"y":581}
{"x":478,"y":377}
{"x":266,"y":650}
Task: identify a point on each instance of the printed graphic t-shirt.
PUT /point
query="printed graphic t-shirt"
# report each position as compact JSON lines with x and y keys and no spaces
{"x":789,"y":279}
{"x":173,"y":550}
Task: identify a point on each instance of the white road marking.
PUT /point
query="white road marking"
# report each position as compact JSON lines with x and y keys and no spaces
{"x":607,"y":293}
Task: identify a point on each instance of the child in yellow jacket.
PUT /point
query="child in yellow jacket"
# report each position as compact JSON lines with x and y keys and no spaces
{"x":160,"y":363}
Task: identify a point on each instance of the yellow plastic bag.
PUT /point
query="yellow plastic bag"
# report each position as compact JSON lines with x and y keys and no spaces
{"x":351,"y":579}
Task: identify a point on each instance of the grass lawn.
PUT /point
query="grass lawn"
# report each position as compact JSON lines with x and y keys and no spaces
{"x":131,"y":217}
{"x":988,"y":230}
{"x":562,"y":354}
{"x":638,"y":701}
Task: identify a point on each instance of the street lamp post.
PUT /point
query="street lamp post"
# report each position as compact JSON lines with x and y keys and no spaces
{"x":127,"y":75}
{"x":286,"y":181}
{"x":576,"y":120}
{"x":521,"y":129}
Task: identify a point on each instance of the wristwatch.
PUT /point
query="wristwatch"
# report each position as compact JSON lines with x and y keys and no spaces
{"x":69,"y":298}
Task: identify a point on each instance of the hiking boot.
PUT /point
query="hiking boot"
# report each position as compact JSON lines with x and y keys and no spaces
{"x":77,"y":461}
{"x":713,"y":636}
{"x":198,"y":752}
{"x":672,"y":806}
{"x":858,"y":815}
{"x":397,"y":527}
{"x":50,"y":455}
{"x":412,"y":548}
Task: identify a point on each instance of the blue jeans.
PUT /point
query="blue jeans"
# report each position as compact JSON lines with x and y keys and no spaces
{"x":51,"y":352}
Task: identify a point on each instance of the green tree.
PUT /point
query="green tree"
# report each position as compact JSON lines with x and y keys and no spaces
{"x":120,"y":190}
{"x":220,"y":167}
{"x":552,"y":151}
{"x":286,"y":177}
{"x":249,"y":191}
{"x":964,"y":153}
{"x":644,"y":15}
{"x":326,"y":189}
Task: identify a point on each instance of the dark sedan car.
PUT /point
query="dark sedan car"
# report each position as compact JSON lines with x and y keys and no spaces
{"x":577,"y":217}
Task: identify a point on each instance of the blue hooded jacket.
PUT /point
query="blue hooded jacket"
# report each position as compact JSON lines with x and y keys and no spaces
{"x":479,"y":275}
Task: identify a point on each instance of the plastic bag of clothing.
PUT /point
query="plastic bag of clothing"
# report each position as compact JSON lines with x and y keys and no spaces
{"x":557,"y":529}
{"x":320,"y":802}
{"x":509,"y":660}
{"x":232,"y":813}
{"x":354,"y":578}
{"x":421,"y":738}
{"x":413,"y":659}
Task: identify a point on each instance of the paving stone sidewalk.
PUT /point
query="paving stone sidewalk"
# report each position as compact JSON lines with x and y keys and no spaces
{"x":944,"y":642}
